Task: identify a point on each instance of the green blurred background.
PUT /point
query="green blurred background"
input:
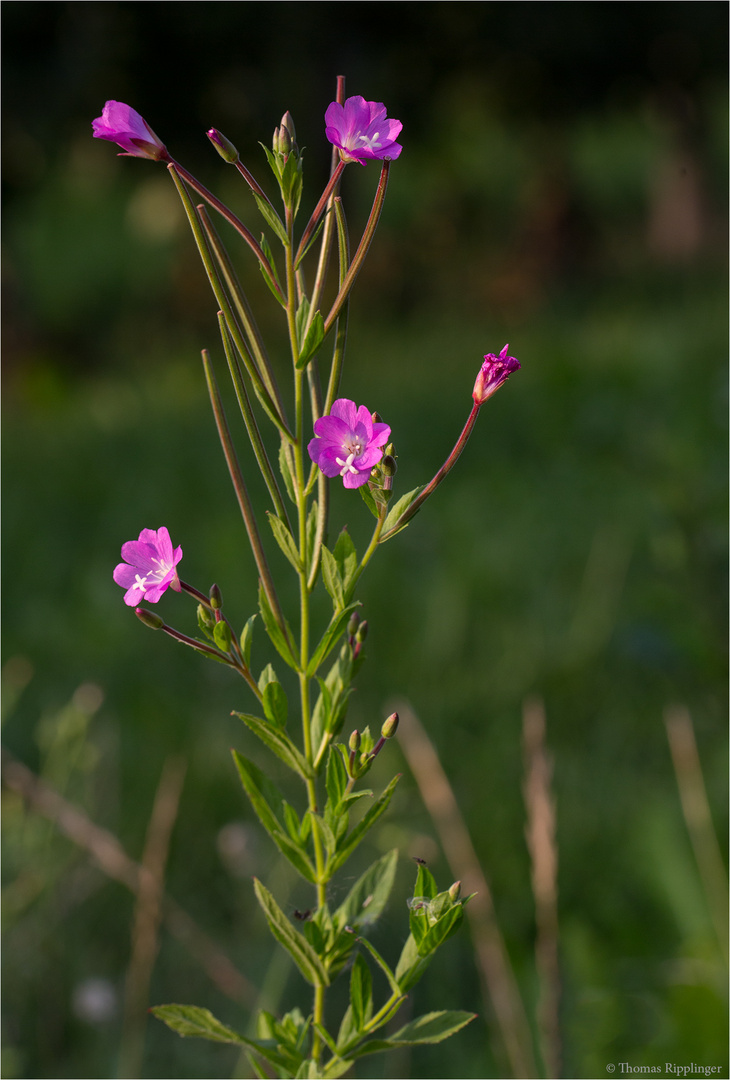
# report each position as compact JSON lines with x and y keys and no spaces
{"x":562,"y":187}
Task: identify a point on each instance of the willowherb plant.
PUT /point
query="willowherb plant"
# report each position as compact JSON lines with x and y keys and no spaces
{"x":325,"y":438}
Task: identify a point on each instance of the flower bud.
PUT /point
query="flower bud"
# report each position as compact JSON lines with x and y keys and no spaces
{"x":455,"y":891}
{"x":285,"y":137}
{"x":353,"y":624}
{"x":205,"y":619}
{"x":388,"y":465}
{"x":224,"y":146}
{"x":354,"y":743}
{"x":149,"y":618}
{"x":216,"y":600}
{"x":390,"y":726}
{"x":494,"y":371}
{"x":362,"y":632}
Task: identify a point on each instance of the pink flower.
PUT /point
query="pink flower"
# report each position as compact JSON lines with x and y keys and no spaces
{"x":149,"y":565}
{"x":494,"y":371}
{"x":348,"y":443}
{"x":120,"y":123}
{"x":361,"y":130}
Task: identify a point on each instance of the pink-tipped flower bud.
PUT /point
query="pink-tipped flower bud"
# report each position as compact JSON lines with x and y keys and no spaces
{"x":149,"y":618}
{"x":455,"y":891}
{"x":216,"y":600}
{"x":390,"y":726}
{"x":494,"y":371}
{"x":224,"y":146}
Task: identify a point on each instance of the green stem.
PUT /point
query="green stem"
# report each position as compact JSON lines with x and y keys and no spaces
{"x":250,"y":421}
{"x":224,"y":304}
{"x":230,"y":217}
{"x":445,"y":469}
{"x":243,"y":309}
{"x":362,"y":250}
{"x":244,"y":501}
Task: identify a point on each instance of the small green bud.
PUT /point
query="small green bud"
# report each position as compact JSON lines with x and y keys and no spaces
{"x":205,"y":617}
{"x":149,"y":618}
{"x":388,"y":465}
{"x":224,"y":146}
{"x":285,"y":137}
{"x":362,"y":632}
{"x":354,"y":743}
{"x":455,"y":891}
{"x":216,"y":600}
{"x":390,"y":726}
{"x":353,"y":624}
{"x":377,"y":418}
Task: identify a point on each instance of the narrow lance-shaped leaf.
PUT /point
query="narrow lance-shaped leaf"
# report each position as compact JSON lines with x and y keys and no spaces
{"x":358,"y":833}
{"x":267,"y":803}
{"x":279,"y":743}
{"x":192,"y":1021}
{"x":301,"y":952}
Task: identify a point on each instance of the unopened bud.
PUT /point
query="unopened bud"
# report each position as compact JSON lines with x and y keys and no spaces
{"x":362,"y":632}
{"x":285,"y":136}
{"x":388,"y":465}
{"x":149,"y":618}
{"x":455,"y":891}
{"x":390,"y":726}
{"x":216,"y":600}
{"x":354,"y":743}
{"x":353,"y":624}
{"x":377,"y":418}
{"x":224,"y":146}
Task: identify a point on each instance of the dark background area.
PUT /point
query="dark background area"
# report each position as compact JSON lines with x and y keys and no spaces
{"x":562,"y":187}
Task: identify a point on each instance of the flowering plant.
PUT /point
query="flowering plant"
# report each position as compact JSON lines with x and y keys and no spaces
{"x":319,"y":436}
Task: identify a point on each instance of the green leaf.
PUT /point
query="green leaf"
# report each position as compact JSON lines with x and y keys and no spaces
{"x":432,"y":1028}
{"x":276,"y":634}
{"x":346,"y":556}
{"x":447,"y":925}
{"x":300,"y":319}
{"x":268,"y":806}
{"x":285,"y":540}
{"x":268,"y":675}
{"x":357,"y":834}
{"x":367,"y":498}
{"x":222,"y":636}
{"x":331,"y":636}
{"x":285,"y":470}
{"x":270,"y":256}
{"x":280,"y":743}
{"x":275,"y":704}
{"x":368,"y":897}
{"x":425,"y":883}
{"x":272,"y":218}
{"x":247,"y":639}
{"x":192,"y":1021}
{"x":296,"y":945}
{"x":399,"y":508}
{"x":326,"y":835}
{"x":312,"y":341}
{"x":332,"y":578}
{"x":395,"y":988}
{"x":336,"y":777}
{"x":361,"y":993}
{"x":411,"y":966}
